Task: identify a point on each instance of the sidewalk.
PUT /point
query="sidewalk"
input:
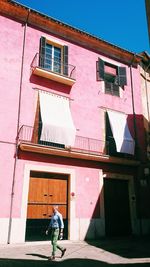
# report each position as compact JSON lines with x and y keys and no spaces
{"x":114,"y":252}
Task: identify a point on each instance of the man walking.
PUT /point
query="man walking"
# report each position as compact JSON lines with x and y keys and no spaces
{"x":56,"y":225}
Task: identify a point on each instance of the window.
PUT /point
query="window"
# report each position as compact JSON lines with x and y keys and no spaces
{"x":113,"y":76}
{"x":51,"y":62}
{"x":110,"y":85}
{"x":53,"y":57}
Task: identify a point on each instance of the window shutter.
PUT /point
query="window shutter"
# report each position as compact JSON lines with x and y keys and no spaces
{"x":100,"y":69}
{"x":65,"y":60}
{"x":42,"y":52}
{"x":111,"y":145}
{"x":122,"y":77}
{"x":108,"y":89}
{"x":115,"y":89}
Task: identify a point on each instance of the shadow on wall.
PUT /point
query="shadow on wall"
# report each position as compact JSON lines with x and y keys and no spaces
{"x":115,"y":199}
{"x":140,"y":125}
{"x":49,"y":84}
{"x":94,"y":231}
{"x":114,"y":196}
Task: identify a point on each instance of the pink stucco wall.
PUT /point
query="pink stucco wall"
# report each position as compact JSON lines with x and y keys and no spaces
{"x":6,"y":177}
{"x":87,"y":95}
{"x":11,"y":53}
{"x":88,"y":190}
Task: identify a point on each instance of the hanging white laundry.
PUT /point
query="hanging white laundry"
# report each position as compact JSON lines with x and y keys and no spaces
{"x":57,"y":123}
{"x":123,"y":139}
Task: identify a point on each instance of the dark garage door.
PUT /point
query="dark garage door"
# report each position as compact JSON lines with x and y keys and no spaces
{"x":117,"y":210}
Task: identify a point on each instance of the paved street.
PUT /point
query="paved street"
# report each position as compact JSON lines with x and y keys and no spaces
{"x":134,"y":252}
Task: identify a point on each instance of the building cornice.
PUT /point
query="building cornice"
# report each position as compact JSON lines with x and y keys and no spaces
{"x":50,"y":25}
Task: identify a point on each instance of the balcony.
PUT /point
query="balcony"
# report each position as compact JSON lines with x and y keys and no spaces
{"x":84,"y":148}
{"x":53,"y":69}
{"x":28,"y":137}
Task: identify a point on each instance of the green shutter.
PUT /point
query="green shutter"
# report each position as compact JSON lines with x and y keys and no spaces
{"x":65,"y":60}
{"x":115,"y":89}
{"x":109,"y":137}
{"x":100,"y":69}
{"x":122,"y":77}
{"x":42,"y":52}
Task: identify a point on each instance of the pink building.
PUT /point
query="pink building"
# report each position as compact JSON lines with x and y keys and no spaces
{"x":72,"y":131}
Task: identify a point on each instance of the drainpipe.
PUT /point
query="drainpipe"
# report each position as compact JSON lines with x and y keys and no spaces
{"x":18,"y":124}
{"x":136,"y":145}
{"x":133,"y":106}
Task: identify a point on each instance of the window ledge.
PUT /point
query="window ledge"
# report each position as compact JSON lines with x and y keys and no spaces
{"x":53,"y":76}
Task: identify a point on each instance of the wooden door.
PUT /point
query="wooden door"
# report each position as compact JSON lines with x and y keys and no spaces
{"x":117,"y":209}
{"x":43,"y":194}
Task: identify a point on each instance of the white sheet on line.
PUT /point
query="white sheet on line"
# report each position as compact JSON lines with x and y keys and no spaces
{"x":57,"y":123}
{"x":124,"y":141}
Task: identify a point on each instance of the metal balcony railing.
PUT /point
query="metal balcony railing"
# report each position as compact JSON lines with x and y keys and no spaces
{"x":53,"y":65}
{"x":30,"y":135}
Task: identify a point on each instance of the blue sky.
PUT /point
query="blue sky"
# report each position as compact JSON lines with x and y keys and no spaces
{"x":122,"y":23}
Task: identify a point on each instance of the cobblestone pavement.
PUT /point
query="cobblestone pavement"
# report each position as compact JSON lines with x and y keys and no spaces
{"x":133,"y":252}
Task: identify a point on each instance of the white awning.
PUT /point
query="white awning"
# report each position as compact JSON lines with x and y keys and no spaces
{"x":57,"y":124}
{"x":123,"y":139}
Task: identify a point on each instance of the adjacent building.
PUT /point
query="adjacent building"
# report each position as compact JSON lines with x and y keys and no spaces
{"x":147,"y":5}
{"x":72,"y":131}
{"x":145,"y":89}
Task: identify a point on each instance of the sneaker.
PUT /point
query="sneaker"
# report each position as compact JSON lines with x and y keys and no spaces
{"x":52,"y":258}
{"x":63,"y":252}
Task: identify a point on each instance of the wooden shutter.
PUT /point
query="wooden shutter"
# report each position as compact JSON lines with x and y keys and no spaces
{"x":65,"y":60}
{"x":100,"y":69}
{"x":42,"y":52}
{"x":111,"y":148}
{"x":122,"y":77}
{"x":35,"y":135}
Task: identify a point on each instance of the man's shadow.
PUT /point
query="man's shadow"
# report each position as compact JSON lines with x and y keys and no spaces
{"x":37,"y":255}
{"x":41,"y":256}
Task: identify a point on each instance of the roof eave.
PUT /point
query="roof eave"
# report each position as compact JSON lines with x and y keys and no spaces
{"x":20,"y":12}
